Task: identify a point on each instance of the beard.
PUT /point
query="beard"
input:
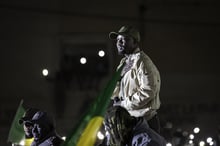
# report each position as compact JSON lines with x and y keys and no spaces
{"x":121,"y":50}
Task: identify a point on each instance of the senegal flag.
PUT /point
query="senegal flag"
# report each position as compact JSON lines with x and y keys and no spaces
{"x":16,"y":133}
{"x":84,"y":134}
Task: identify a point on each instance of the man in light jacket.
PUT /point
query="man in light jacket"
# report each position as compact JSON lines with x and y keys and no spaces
{"x":139,"y":87}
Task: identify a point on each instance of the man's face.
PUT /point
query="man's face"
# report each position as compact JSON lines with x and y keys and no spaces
{"x":39,"y":131}
{"x":28,"y":129}
{"x":125,"y":44}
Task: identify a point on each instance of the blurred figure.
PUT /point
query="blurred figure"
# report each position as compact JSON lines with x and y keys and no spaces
{"x":44,"y":130}
{"x":126,"y":130}
{"x":139,"y":87}
{"x":25,"y":120}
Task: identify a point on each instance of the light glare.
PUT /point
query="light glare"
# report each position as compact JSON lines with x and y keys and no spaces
{"x":209,"y":139}
{"x":191,"y":136}
{"x":201,"y":143}
{"x":22,"y":142}
{"x":101,"y":53}
{"x":211,"y":143}
{"x":196,"y":130}
{"x":83,"y":60}
{"x":100,"y":135}
{"x":45,"y":72}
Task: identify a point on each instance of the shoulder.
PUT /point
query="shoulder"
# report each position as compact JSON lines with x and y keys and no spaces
{"x":52,"y":141}
{"x":147,"y":139}
{"x":144,"y":135}
{"x":33,"y":143}
{"x":142,"y":61}
{"x":141,"y":136}
{"x":143,"y":56}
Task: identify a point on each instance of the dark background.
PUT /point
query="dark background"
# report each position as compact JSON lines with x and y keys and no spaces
{"x":180,"y":36}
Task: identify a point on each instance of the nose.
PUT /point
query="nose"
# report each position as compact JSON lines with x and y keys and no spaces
{"x":119,"y":41}
{"x":34,"y":130}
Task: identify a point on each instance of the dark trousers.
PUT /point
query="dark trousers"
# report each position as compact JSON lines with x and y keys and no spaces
{"x":154,"y":123}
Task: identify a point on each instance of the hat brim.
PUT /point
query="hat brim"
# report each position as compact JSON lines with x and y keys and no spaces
{"x":113,"y":35}
{"x":23,"y":119}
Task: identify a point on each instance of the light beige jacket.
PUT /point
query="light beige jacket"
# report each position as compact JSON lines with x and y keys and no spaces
{"x":139,"y":87}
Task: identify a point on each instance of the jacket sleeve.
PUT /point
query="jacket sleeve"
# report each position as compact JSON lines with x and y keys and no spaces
{"x":117,"y":87}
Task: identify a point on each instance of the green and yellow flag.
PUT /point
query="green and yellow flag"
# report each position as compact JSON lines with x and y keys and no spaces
{"x":84,"y":134}
{"x":16,"y":133}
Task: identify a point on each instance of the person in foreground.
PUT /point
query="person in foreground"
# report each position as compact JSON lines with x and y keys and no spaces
{"x":44,"y":131}
{"x":125,"y":130}
{"x":139,"y":87}
{"x":25,"y":120}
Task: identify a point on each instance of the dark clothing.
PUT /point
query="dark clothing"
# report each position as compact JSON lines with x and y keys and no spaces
{"x":44,"y":131}
{"x":154,"y":123}
{"x":143,"y":135}
{"x":52,"y":140}
{"x":122,"y":129}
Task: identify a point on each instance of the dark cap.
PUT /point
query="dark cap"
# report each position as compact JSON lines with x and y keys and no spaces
{"x":128,"y":31}
{"x":28,"y":115}
{"x":42,"y":118}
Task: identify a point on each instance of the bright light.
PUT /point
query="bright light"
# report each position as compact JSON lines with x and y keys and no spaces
{"x":196,"y":130}
{"x":209,"y":139}
{"x":45,"y":72}
{"x":190,"y":142}
{"x":22,"y":142}
{"x":211,"y":143}
{"x":191,"y":136}
{"x":168,"y":144}
{"x":100,"y":135}
{"x":101,"y":53}
{"x":201,"y":143}
{"x":64,"y":138}
{"x":83,"y":60}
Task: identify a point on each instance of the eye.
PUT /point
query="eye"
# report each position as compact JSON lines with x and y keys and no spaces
{"x":28,"y":124}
